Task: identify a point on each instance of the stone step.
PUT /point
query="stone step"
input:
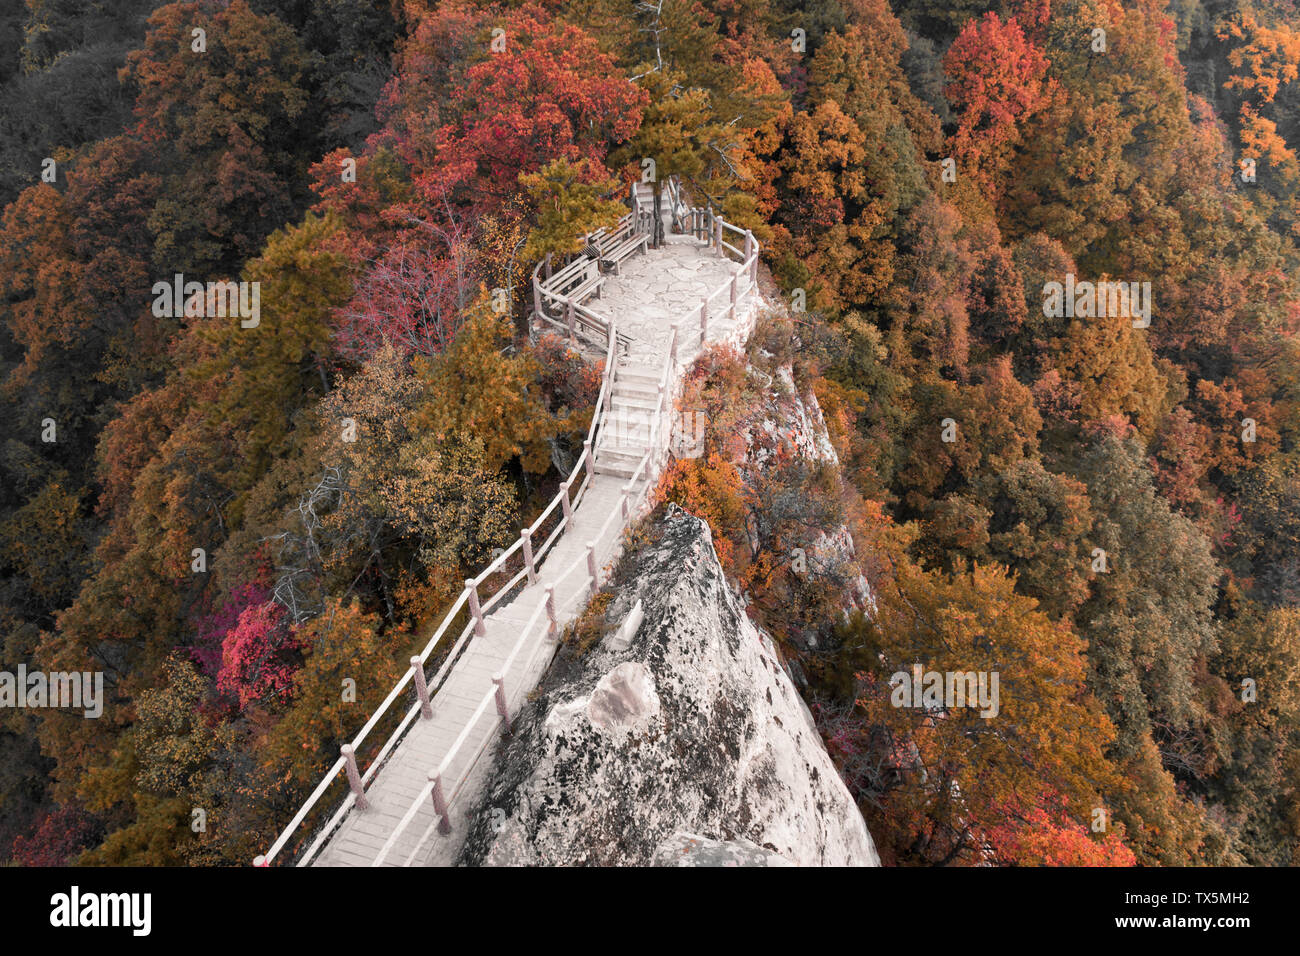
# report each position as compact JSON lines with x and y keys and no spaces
{"x":622,"y":467}
{"x":650,"y":399}
{"x":630,"y":372}
{"x":628,"y":452}
{"x":624,"y":433}
{"x":636,"y":388}
{"x":646,"y":404}
{"x":630,"y":410}
{"x":635,"y":445}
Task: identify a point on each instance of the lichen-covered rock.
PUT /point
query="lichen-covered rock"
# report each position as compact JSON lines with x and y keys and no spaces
{"x":687,"y":849}
{"x":694,"y":731}
{"x":624,"y":701}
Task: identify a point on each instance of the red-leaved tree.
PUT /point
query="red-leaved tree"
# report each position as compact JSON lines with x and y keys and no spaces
{"x":1043,"y":835}
{"x":259,"y":656}
{"x":58,"y":837}
{"x":212,"y":628}
{"x":410,"y":295}
{"x":550,"y":94}
{"x":997,"y":79}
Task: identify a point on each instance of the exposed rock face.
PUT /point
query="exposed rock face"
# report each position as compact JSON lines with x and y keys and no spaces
{"x":794,"y":421}
{"x":690,"y":746}
{"x":796,"y":418}
{"x":624,"y":701}
{"x":687,"y":849}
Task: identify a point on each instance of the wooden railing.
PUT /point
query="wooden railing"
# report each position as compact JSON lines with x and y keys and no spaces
{"x":703,"y":224}
{"x":642,"y":214}
{"x":566,"y":500}
{"x":549,"y":291}
{"x":494,"y":704}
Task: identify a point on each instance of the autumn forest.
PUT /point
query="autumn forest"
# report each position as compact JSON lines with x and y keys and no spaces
{"x":1035,"y":260}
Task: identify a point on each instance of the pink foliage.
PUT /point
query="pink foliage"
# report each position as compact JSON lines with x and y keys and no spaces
{"x":212,"y":629}
{"x":410,"y":296}
{"x":258,"y":656}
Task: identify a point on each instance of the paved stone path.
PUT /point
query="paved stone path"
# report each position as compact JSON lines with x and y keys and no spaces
{"x":398,"y":785}
{"x":654,"y":290}
{"x":662,"y":286}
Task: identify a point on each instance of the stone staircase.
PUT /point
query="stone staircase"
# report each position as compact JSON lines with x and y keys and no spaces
{"x":628,"y":424}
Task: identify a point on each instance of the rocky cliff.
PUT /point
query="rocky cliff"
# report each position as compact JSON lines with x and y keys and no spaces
{"x":676,"y":739}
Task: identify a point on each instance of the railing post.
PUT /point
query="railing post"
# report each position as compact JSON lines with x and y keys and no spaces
{"x":440,"y":803}
{"x":564,"y":500}
{"x":704,"y":319}
{"x":421,"y":687}
{"x":548,"y":265}
{"x":591,"y":465}
{"x":751,"y":248}
{"x":568,"y":318}
{"x":627,"y":496}
{"x":717,"y":224}
{"x":554,"y":628}
{"x":591,"y":564}
{"x":526,"y":542}
{"x":708,"y":225}
{"x":499,"y":680}
{"x":354,"y":776}
{"x":734,"y":291}
{"x":672,"y":345}
{"x":472,"y":589}
{"x":657,"y":429}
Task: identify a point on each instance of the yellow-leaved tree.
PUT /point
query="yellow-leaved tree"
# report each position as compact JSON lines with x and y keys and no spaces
{"x":941,"y":773}
{"x":484,"y":387}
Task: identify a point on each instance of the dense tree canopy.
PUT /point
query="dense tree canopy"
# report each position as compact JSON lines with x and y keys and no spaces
{"x":233,"y":522}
